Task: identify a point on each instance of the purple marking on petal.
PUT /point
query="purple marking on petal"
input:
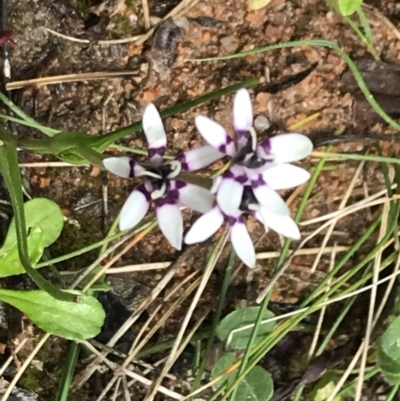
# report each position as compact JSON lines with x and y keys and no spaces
{"x":232,"y":220}
{"x":264,"y":147}
{"x":170,"y":198}
{"x":156,"y":152}
{"x":258,"y":182}
{"x":135,"y":169}
{"x":182,"y":160}
{"x":144,"y":191}
{"x":243,"y":138}
{"x":239,"y":178}
{"x":176,"y":184}
{"x":223,"y":149}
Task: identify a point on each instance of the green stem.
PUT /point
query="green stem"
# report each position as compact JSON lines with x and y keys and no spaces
{"x":365,"y":39}
{"x":68,"y":372}
{"x":23,"y":115}
{"x":354,"y":156}
{"x":12,"y":177}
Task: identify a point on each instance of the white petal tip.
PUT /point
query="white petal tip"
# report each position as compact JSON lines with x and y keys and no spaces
{"x":119,"y":166}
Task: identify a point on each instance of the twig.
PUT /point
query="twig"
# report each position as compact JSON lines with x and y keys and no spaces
{"x":50,"y":164}
{"x":128,"y":323}
{"x":374,"y":289}
{"x":83,"y":76}
{"x":342,"y":204}
{"x":171,"y":357}
{"x":322,"y":314}
{"x":87,"y":41}
{"x":11,"y":357}
{"x":146,"y":14}
{"x":259,"y":255}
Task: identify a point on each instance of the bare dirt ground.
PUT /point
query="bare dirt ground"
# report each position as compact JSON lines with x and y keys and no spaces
{"x":171,"y":75}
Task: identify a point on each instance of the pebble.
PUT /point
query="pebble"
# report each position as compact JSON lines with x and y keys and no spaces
{"x":261,"y":123}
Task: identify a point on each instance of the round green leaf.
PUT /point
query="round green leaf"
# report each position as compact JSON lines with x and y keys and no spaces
{"x":256,"y":386}
{"x":41,"y":212}
{"x":388,"y":354}
{"x":221,"y":365}
{"x":241,"y":318}
{"x":71,"y":320}
{"x":391,"y":339}
{"x":10,"y":263}
{"x":348,"y":7}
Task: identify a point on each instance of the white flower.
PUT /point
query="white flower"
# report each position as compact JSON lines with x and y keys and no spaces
{"x":258,"y":165}
{"x":159,"y":181}
{"x":249,"y":186}
{"x":273,"y":214}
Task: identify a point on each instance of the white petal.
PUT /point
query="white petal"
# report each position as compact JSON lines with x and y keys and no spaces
{"x":242,"y":244}
{"x":283,"y":225}
{"x":155,"y":133}
{"x":134,"y":209}
{"x":196,"y":198}
{"x":216,"y":183}
{"x":205,"y":226}
{"x":271,"y":200}
{"x":229,"y":195}
{"x":199,"y":158}
{"x":290,"y":147}
{"x":242,"y":111}
{"x":122,"y":166}
{"x":215,"y":135}
{"x":171,"y":224}
{"x":285,"y":176}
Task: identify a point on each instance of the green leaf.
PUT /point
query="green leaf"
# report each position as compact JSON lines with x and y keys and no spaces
{"x":388,"y":354}
{"x":241,"y":318}
{"x":71,"y":320}
{"x":324,"y":387}
{"x":256,"y":386}
{"x":41,"y":212}
{"x":221,"y":365}
{"x":348,"y":7}
{"x":10,"y":263}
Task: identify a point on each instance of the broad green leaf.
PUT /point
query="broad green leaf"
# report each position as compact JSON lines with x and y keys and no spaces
{"x":388,"y":354}
{"x":324,"y":387}
{"x":348,"y":7}
{"x":80,"y":320}
{"x":242,"y":318}
{"x":256,"y":386}
{"x":41,"y":212}
{"x":221,"y":365}
{"x":9,"y":258}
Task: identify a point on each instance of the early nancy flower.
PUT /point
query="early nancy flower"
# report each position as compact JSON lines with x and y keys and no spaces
{"x":249,"y":186}
{"x":273,"y":214}
{"x":264,"y":166}
{"x":160,"y":183}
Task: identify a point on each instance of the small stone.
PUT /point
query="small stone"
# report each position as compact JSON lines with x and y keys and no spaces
{"x":261,"y":123}
{"x":226,"y":41}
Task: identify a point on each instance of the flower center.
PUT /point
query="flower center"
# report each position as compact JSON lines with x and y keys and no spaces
{"x":158,"y":177}
{"x":249,"y":202}
{"x":249,"y":158}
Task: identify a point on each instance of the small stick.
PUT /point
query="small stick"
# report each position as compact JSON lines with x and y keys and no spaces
{"x":84,"y":76}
